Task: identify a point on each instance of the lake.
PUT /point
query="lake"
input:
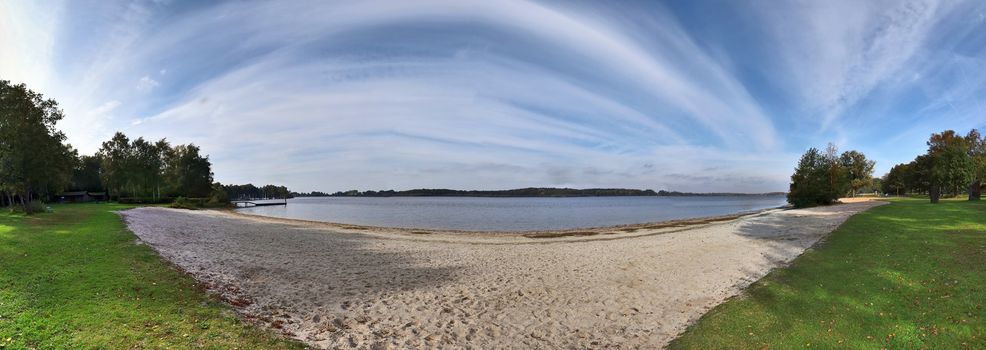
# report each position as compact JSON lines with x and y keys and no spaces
{"x":510,"y":214}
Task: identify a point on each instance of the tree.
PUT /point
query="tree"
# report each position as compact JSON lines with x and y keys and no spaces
{"x":977,"y":154}
{"x":249,"y":191}
{"x":117,"y":159}
{"x":809,"y":181}
{"x":859,"y":170}
{"x":837,"y":174}
{"x":86,"y":175}
{"x":218,"y":197}
{"x":142,"y":169}
{"x":147,"y":167}
{"x":163,"y":152}
{"x":875,"y":185}
{"x":918,"y":176}
{"x":34,"y":160}
{"x":188,"y":173}
{"x":895,"y":182}
{"x":820,"y":179}
{"x":950,"y":167}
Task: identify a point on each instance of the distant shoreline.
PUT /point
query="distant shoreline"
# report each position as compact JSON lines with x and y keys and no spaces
{"x":582,"y":233}
{"x":534,"y":193}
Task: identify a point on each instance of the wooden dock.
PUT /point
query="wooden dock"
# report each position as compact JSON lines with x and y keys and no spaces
{"x":253,"y":203}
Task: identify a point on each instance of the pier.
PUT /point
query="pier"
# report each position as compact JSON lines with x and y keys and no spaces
{"x":257,"y":203}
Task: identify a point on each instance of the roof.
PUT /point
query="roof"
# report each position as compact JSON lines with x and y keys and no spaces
{"x":77,"y":193}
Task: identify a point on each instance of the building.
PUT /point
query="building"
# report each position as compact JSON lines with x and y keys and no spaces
{"x":81,"y":196}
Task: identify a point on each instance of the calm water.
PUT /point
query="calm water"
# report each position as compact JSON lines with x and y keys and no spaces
{"x":510,"y":214}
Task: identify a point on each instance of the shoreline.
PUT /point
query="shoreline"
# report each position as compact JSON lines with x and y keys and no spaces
{"x":622,"y":230}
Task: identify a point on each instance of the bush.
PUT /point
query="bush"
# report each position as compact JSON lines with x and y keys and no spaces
{"x":183,"y":203}
{"x":38,"y":206}
{"x":189,"y":203}
{"x":214,"y":202}
{"x":218,"y":198}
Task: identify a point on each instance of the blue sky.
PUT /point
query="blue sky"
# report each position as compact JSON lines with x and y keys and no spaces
{"x":683,"y":95}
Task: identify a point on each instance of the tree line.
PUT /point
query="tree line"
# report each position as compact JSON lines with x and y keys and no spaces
{"x":310,"y":194}
{"x":138,"y":169}
{"x":36,"y":164}
{"x":664,"y":193}
{"x":953,"y":164}
{"x":821,"y":178}
{"x":249,"y":191}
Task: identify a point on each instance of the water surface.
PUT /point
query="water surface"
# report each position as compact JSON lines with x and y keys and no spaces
{"x":510,"y":214}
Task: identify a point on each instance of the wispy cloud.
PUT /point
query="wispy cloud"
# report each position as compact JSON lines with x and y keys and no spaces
{"x":837,"y":52}
{"x":492,"y":94}
{"x":103,"y":109}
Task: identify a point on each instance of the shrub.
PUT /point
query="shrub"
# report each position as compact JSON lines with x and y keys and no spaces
{"x":214,"y":202}
{"x":38,"y":206}
{"x":218,"y":197}
{"x":189,"y":203}
{"x":183,"y":203}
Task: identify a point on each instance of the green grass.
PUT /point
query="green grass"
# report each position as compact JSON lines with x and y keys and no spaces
{"x":75,"y":279}
{"x":908,"y":275}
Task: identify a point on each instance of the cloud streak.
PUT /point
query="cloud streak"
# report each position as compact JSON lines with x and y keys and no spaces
{"x":480,"y":94}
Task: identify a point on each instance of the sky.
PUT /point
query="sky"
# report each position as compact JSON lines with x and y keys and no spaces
{"x":705,"y":96}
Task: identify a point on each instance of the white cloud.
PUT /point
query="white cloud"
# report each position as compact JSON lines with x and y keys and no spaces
{"x":838,"y":52}
{"x":146,"y":83}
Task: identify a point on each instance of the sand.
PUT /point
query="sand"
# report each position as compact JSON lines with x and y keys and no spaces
{"x":339,"y":286}
{"x":859,"y":199}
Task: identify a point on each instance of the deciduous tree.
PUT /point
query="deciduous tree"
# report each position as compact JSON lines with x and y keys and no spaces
{"x":895,"y":182}
{"x":977,"y":154}
{"x":951,"y":168}
{"x":35,"y":161}
{"x":858,"y":169}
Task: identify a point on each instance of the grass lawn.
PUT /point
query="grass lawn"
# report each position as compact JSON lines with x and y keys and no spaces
{"x":908,"y":275}
{"x":74,"y":279}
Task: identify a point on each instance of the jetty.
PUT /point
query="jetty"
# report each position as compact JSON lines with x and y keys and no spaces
{"x":258,"y":203}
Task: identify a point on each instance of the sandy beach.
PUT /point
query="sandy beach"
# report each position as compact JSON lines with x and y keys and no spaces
{"x":339,"y":286}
